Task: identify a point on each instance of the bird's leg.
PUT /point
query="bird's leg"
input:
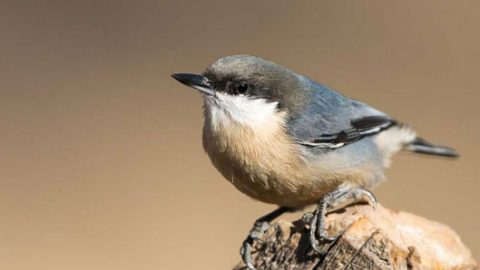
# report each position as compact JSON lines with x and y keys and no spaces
{"x":338,"y":198}
{"x":260,"y":226}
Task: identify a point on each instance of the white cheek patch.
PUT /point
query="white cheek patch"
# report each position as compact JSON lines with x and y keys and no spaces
{"x":247,"y":111}
{"x":393,"y":140}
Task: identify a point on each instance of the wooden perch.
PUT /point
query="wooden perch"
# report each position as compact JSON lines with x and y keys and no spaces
{"x":373,"y":239}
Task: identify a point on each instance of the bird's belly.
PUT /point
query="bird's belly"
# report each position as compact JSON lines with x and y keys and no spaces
{"x":265,"y":166}
{"x":263,"y":183}
{"x":261,"y":160}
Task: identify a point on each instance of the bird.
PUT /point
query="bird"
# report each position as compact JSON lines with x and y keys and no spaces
{"x":284,"y":139}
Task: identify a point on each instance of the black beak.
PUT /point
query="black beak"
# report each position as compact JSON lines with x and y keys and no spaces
{"x":195,"y":81}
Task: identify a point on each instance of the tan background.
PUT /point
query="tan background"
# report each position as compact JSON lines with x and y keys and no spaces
{"x":101,"y":165}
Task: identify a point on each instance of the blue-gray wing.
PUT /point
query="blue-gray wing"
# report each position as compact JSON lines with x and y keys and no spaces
{"x":331,"y":120}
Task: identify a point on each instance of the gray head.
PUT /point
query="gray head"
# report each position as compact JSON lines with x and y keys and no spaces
{"x":251,"y":77}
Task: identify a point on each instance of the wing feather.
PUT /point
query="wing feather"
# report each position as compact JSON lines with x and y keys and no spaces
{"x":331,"y":120}
{"x":360,"y":128}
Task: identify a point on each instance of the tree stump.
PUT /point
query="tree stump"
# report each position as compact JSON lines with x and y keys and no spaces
{"x":370,"y":238}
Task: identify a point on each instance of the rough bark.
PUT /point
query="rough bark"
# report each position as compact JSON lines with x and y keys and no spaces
{"x":377,"y":238}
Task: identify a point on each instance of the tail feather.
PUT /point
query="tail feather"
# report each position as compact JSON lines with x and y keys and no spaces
{"x":422,"y":146}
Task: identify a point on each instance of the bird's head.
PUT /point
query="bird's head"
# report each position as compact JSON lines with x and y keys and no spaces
{"x":248,"y":88}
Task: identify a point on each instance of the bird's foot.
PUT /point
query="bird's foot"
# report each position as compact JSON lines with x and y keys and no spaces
{"x":256,"y":233}
{"x":320,"y":240}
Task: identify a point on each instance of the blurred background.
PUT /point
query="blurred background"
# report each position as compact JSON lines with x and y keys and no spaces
{"x":101,"y":164}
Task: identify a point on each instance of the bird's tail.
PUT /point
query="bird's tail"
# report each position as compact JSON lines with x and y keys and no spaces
{"x":422,"y":146}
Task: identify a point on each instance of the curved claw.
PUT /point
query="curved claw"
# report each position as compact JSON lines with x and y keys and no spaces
{"x":246,"y":253}
{"x":328,"y":242}
{"x":315,"y":244}
{"x":361,"y":194}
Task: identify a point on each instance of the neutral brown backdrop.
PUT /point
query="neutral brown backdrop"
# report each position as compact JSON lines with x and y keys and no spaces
{"x":101,"y":165}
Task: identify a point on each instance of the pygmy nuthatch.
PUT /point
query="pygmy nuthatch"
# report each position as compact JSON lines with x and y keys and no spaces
{"x":282,"y":138}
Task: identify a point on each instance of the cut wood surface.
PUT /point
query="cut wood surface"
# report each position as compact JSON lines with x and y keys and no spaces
{"x":377,"y":238}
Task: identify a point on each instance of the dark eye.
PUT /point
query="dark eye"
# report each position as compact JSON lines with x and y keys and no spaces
{"x":242,"y":88}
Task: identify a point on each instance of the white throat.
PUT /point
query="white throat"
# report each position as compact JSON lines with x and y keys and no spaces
{"x":226,"y":109}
